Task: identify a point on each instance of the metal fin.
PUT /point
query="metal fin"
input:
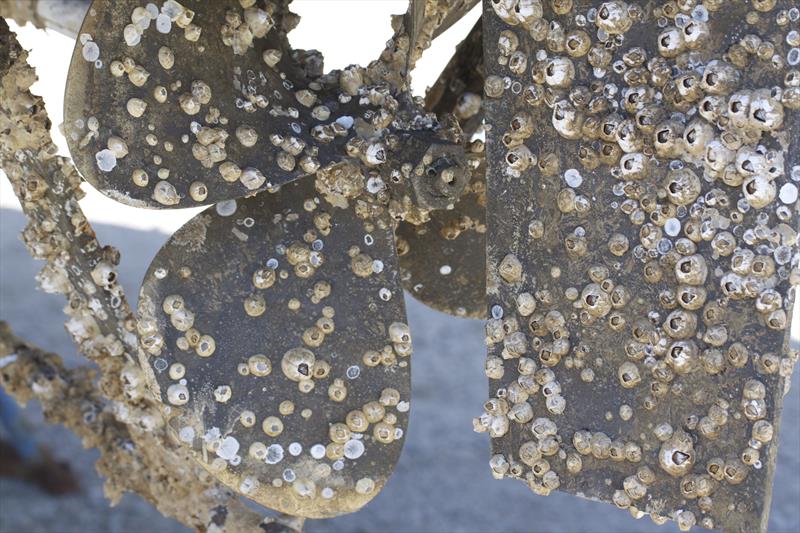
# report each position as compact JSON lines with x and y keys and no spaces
{"x":642,"y":247}
{"x":424,"y":21}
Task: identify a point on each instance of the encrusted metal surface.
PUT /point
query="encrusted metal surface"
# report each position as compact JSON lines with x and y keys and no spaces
{"x":443,"y":261}
{"x":642,"y":250}
{"x":277,"y":337}
{"x":427,"y":19}
{"x":274,"y":320}
{"x":456,"y":10}
{"x":642,"y":239}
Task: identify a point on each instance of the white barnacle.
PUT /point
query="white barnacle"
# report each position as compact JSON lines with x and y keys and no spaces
{"x":297,"y":364}
{"x":132,"y":34}
{"x":166,"y":57}
{"x":163,"y":23}
{"x":136,"y":107}
{"x":317,"y":451}
{"x":274,"y":454}
{"x":90,"y":51}
{"x":118,"y":146}
{"x":295,"y":448}
{"x":189,"y":104}
{"x":106,"y":160}
{"x":252,"y":178}
{"x":228,"y":448}
{"x":223,"y":393}
{"x":259,"y":21}
{"x":788,"y":194}
{"x":186,"y":434}
{"x":365,"y":485}
{"x":573,"y":178}
{"x":247,"y":136}
{"x":226,"y":208}
{"x":353,"y":449}
{"x":271,"y":57}
{"x":165,"y":193}
{"x":177,"y":394}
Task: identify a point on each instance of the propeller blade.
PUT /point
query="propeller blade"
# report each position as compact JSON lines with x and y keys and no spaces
{"x":193,"y":103}
{"x":277,"y":339}
{"x":642,"y":246}
{"x":443,"y":260}
{"x":457,"y":10}
{"x":423,"y":22}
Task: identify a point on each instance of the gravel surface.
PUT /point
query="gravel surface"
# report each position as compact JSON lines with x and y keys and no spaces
{"x":442,"y":483}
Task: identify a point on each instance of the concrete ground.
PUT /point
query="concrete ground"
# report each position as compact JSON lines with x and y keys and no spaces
{"x":442,"y":482}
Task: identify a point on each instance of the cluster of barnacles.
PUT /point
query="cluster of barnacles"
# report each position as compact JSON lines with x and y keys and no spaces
{"x":611,"y":185}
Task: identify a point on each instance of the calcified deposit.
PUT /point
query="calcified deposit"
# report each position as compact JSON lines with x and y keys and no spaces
{"x":636,"y":209}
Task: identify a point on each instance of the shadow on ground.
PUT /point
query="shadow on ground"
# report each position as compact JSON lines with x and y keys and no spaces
{"x":442,"y":482}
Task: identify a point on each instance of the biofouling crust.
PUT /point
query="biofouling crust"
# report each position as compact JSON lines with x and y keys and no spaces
{"x":174,"y":104}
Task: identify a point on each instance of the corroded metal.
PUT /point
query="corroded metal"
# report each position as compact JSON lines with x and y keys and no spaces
{"x":642,"y":250}
{"x":443,"y":261}
{"x":276,"y":328}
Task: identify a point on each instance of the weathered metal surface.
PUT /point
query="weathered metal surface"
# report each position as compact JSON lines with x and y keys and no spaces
{"x":189,"y":95}
{"x":443,"y":261}
{"x":642,"y":250}
{"x":190,"y":104}
{"x":277,"y":339}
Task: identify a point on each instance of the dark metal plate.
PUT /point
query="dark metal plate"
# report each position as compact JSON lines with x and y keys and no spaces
{"x":278,"y":344}
{"x":642,"y":246}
